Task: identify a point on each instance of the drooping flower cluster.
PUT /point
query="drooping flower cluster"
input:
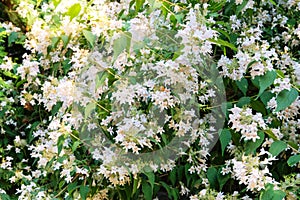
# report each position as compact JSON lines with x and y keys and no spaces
{"x":248,"y":171}
{"x":244,"y":121}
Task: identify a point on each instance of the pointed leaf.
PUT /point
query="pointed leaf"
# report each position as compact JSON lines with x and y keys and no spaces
{"x":285,"y":98}
{"x":223,"y":43}
{"x":271,"y":194}
{"x":222,"y":179}
{"x":266,"y":96}
{"x":75,"y":145}
{"x":72,"y":187}
{"x":242,"y":85}
{"x":89,"y":109}
{"x":4,"y":196}
{"x":139,"y":4}
{"x":54,"y":41}
{"x":151,"y":178}
{"x":56,"y":2}
{"x":265,"y":81}
{"x":212,"y":176}
{"x":60,"y":143}
{"x":293,"y":160}
{"x":74,"y":10}
{"x":243,"y":101}
{"x":65,"y":40}
{"x":225,"y":138}
{"x":84,"y":190}
{"x":120,"y":44}
{"x":147,"y":190}
{"x":91,"y":38}
{"x":172,"y":177}
{"x":277,"y":147}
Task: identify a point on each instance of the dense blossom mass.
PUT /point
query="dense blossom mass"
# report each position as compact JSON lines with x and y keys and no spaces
{"x":149,"y":99}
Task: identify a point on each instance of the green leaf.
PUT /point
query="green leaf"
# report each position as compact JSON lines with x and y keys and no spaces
{"x":265,"y":81}
{"x":236,"y":137}
{"x":32,"y":128}
{"x":4,"y":197}
{"x":72,"y":187}
{"x":241,"y":7}
{"x":212,"y":176}
{"x":222,"y":179}
{"x":3,"y":83}
{"x":266,"y":96}
{"x":285,"y":98}
{"x":12,"y":38}
{"x":91,"y":38}
{"x":273,"y":2}
{"x":10,"y":75}
{"x":216,"y":6}
{"x":75,"y":145}
{"x":242,"y":85}
{"x":293,"y":160}
{"x":153,"y":4}
{"x":225,"y":138}
{"x":280,"y":74}
{"x":271,"y":194}
{"x":222,"y":32}
{"x":172,"y":177}
{"x":65,"y":40}
{"x":225,"y":106}
{"x":54,"y":41}
{"x":174,"y":193}
{"x":259,"y":107}
{"x":255,"y":82}
{"x":120,"y":44}
{"x":60,"y":143}
{"x":277,"y":147}
{"x":291,"y":22}
{"x":84,"y":190}
{"x":243,"y":101}
{"x":56,"y":2}
{"x":292,"y":144}
{"x":74,"y":10}
{"x":56,"y":108}
{"x":138,"y":4}
{"x":19,"y":83}
{"x":223,"y":43}
{"x":168,"y":188}
{"x":151,"y":178}
{"x":179,"y":17}
{"x":89,"y":109}
{"x":135,"y":186}
{"x":271,"y":134}
{"x":252,"y":146}
{"x":66,"y":65}
{"x":147,"y":190}
{"x":101,"y":77}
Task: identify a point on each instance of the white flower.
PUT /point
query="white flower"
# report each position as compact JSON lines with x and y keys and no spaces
{"x":272,"y":103}
{"x":220,"y":196}
{"x":194,"y":197}
{"x":237,"y":2}
{"x":281,"y":84}
{"x":202,"y":193}
{"x":244,"y":121}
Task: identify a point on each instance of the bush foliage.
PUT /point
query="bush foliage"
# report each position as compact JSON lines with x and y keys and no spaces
{"x":149,"y":99}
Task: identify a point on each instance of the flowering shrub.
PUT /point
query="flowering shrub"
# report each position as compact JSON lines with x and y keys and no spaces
{"x":146,"y":99}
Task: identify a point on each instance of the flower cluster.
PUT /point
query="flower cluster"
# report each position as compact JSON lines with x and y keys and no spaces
{"x":244,"y":121}
{"x":248,"y":171}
